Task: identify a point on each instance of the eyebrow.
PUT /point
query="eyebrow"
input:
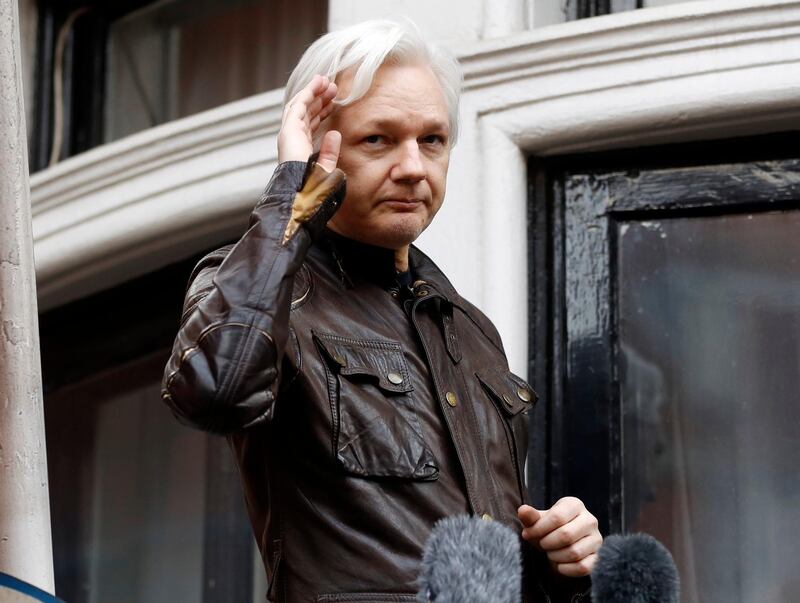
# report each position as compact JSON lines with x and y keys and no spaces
{"x":433,"y":124}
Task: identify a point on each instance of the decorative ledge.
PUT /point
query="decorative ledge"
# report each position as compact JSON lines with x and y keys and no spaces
{"x":131,"y":206}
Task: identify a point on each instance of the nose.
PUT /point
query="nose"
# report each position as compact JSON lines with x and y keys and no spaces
{"x":409,"y":166}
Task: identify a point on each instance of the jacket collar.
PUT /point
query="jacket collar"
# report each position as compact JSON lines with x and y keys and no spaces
{"x":359,"y":262}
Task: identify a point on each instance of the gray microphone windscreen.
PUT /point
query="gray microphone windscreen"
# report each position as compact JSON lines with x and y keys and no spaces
{"x":635,"y":568}
{"x":471,"y":560}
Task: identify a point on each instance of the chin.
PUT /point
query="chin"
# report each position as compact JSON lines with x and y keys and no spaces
{"x":391,"y":232}
{"x":397,"y":233}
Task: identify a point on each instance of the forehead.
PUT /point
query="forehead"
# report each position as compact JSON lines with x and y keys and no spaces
{"x":409,"y":94}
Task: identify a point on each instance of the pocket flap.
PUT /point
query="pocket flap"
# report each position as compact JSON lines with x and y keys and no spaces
{"x":513,"y":393}
{"x":380,"y":359}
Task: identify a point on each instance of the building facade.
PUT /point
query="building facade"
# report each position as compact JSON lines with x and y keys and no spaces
{"x":622,"y":202}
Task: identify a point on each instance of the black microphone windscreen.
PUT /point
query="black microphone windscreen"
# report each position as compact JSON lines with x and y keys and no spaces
{"x":635,"y":568}
{"x":471,"y":560}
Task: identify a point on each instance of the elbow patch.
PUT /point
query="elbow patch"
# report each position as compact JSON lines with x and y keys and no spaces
{"x":218,"y":385}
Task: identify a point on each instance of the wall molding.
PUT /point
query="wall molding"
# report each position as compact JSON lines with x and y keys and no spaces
{"x":131,"y":206}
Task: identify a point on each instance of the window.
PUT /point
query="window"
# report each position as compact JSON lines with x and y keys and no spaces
{"x":135,"y":514}
{"x":144,"y":510}
{"x":173,"y":59}
{"x":709,"y":336}
{"x":665,"y":310}
{"x":130,"y":65}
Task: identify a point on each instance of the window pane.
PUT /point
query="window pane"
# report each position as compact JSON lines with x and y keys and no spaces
{"x":175,"y":58}
{"x":709,"y":326}
{"x":127,"y":491}
{"x":147,"y":525}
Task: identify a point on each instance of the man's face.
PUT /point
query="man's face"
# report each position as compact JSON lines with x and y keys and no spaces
{"x":395,"y":152}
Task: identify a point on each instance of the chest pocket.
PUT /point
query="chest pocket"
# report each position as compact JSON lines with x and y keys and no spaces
{"x":375,"y":429}
{"x":512,"y":397}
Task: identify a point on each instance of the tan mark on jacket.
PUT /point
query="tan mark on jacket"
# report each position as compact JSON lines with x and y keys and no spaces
{"x":319,"y":186}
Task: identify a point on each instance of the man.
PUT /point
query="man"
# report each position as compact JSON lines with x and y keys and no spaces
{"x":363,"y":397}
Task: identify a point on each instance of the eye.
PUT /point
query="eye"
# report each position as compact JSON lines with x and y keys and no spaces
{"x":434,"y":139}
{"x":373,"y":139}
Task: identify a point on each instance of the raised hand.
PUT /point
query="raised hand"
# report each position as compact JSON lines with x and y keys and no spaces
{"x":302,"y":117}
{"x":566,"y":532}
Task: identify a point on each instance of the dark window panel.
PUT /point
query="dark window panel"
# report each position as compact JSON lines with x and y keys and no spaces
{"x":133,"y":64}
{"x":127,"y":489}
{"x":584,"y":9}
{"x":229,"y":542}
{"x":175,"y":59}
{"x":709,"y":314}
{"x":583,"y":208}
{"x":143,"y":508}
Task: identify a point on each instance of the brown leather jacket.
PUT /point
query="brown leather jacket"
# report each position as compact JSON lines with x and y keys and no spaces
{"x":359,"y":412}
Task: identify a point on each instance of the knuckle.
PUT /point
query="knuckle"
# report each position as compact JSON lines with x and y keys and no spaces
{"x":558,"y":516}
{"x":563,"y":538}
{"x":572,"y":554}
{"x":584,"y":566}
{"x":572,"y":502}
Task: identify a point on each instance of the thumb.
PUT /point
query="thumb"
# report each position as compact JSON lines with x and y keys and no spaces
{"x":528,"y":515}
{"x":329,"y":150}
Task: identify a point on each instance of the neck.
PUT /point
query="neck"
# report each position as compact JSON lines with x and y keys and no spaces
{"x":401,"y":259}
{"x":359,"y":259}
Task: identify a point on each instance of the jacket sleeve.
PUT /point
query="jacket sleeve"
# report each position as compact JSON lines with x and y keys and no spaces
{"x":224,"y":371}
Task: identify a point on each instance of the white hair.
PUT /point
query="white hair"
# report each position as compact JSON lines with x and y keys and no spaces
{"x":369,"y":45}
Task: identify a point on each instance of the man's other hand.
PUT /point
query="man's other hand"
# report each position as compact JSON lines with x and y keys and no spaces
{"x":302,"y":117}
{"x":566,"y":532}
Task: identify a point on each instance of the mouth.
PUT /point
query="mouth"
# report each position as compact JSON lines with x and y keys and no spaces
{"x":403,"y":203}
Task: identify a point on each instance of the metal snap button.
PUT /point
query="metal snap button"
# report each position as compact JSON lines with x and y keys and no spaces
{"x":524,"y":394}
{"x":395,"y":378}
{"x":340,"y":360}
{"x":422,"y":293}
{"x":451,"y":399}
{"x":486,"y":517}
{"x":507,"y":401}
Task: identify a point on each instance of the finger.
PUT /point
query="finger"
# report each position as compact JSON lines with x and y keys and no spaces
{"x":330,"y":92}
{"x":322,"y":103}
{"x":312,"y":110}
{"x":567,"y":535}
{"x":329,"y":150}
{"x":588,"y":545}
{"x":320,"y":112}
{"x":578,"y":569}
{"x":300,"y":101}
{"x":561,"y":513}
{"x":323,"y":114}
{"x":301,"y":119}
{"x":319,"y":83}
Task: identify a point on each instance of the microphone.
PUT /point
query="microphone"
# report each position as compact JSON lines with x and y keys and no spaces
{"x":471,"y":560}
{"x":635,"y":568}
